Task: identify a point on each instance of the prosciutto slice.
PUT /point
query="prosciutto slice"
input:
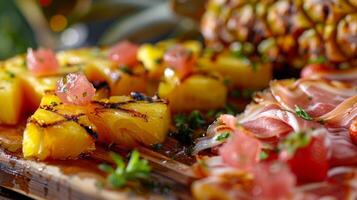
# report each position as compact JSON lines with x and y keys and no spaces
{"x":346,"y":75}
{"x":331,"y":107}
{"x":316,"y":97}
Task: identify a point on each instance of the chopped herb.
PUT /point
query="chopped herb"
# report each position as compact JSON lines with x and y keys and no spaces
{"x":12,"y":75}
{"x":295,"y":141}
{"x":318,"y":60}
{"x":227,"y":109}
{"x":254,"y":65}
{"x":211,"y":113}
{"x":136,"y":170}
{"x":196,"y":120}
{"x":227,"y":81}
{"x":180,"y":120}
{"x":236,"y":49}
{"x":157,"y":146}
{"x":53,"y":103}
{"x":157,"y":187}
{"x":126,"y":69}
{"x":263,"y":155}
{"x":302,"y":113}
{"x":223,"y":136}
{"x":187,"y":125}
{"x":247,"y":93}
{"x":236,"y":93}
{"x":230,"y":109}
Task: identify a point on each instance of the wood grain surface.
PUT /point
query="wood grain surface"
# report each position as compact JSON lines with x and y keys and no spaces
{"x":81,"y":178}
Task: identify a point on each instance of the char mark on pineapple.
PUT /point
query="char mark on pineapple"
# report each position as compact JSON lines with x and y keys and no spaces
{"x":74,"y":118}
{"x":117,"y":106}
{"x":138,"y":96}
{"x":100,"y":85}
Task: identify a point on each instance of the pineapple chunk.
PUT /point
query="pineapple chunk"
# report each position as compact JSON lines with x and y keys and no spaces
{"x":97,"y":67}
{"x":239,"y":71}
{"x":57,"y":131}
{"x":152,"y":55}
{"x":35,"y":88}
{"x":128,"y":122}
{"x":10,"y":98}
{"x":196,"y":92}
{"x":120,"y":82}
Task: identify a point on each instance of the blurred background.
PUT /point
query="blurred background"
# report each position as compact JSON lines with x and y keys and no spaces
{"x":63,"y":24}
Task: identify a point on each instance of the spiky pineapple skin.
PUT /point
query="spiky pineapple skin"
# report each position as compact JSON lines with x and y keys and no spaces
{"x":284,"y":31}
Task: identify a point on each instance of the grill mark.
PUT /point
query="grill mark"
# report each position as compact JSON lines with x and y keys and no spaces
{"x":46,"y":125}
{"x":89,"y":130}
{"x":73,"y":118}
{"x":116,"y":106}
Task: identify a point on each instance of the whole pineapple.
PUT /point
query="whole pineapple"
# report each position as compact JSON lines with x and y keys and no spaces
{"x":285,"y":32}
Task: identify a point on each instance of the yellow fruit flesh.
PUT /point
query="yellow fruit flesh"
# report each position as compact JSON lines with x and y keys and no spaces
{"x":129,"y":123}
{"x":196,"y":92}
{"x":10,"y":98}
{"x":152,"y":55}
{"x":57,"y":131}
{"x":239,"y":71}
{"x":35,"y":88}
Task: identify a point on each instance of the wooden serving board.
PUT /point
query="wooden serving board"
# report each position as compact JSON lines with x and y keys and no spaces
{"x":81,"y":178}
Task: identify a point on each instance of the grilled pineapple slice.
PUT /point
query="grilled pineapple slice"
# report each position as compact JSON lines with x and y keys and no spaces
{"x":10,"y":98}
{"x":131,"y":121}
{"x":97,"y":67}
{"x":152,"y":55}
{"x":196,"y":92}
{"x":238,"y":71}
{"x":121,"y":82}
{"x":35,"y":88}
{"x":57,"y":131}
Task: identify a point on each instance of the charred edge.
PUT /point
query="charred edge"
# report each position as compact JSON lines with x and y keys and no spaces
{"x":90,"y":131}
{"x":100,"y":85}
{"x":137,"y":96}
{"x":50,"y":107}
{"x":116,"y":106}
{"x":73,"y":118}
{"x":46,"y":125}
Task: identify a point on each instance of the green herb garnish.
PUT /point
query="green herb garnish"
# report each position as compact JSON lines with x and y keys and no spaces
{"x":302,"y":113}
{"x":223,"y":136}
{"x":126,"y":69}
{"x":196,"y":120}
{"x":227,"y":109}
{"x":295,"y":141}
{"x":157,"y":146}
{"x":12,"y":75}
{"x":227,"y":82}
{"x":187,"y":125}
{"x":263,"y":155}
{"x":318,"y":60}
{"x":136,"y":170}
